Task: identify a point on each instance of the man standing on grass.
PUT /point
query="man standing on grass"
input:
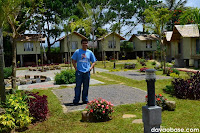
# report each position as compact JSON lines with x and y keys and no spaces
{"x":81,"y":61}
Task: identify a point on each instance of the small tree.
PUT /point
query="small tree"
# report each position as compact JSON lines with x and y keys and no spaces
{"x":158,"y":18}
{"x":18,"y":14}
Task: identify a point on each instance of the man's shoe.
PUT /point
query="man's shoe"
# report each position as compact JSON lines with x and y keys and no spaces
{"x":75,"y":104}
{"x":85,"y":102}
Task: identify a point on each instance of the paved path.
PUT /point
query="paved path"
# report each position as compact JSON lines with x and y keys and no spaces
{"x":51,"y":84}
{"x":49,"y":73}
{"x":116,"y":94}
{"x":136,"y":75}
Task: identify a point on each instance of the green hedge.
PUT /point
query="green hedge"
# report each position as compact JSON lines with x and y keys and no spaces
{"x":7,"y":72}
{"x":65,"y":77}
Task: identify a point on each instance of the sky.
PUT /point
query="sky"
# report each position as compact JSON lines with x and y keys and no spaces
{"x":125,"y":29}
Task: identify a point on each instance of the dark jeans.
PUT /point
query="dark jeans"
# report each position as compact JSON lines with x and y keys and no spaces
{"x":85,"y":79}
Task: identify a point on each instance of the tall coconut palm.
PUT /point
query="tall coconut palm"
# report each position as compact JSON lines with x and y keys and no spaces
{"x":175,"y":4}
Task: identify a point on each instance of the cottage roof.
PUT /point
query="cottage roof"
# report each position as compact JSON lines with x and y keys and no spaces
{"x":144,"y":37}
{"x":190,"y":30}
{"x":31,"y":37}
{"x":121,"y":38}
{"x":90,"y":44}
{"x":78,"y":34}
{"x":168,"y":35}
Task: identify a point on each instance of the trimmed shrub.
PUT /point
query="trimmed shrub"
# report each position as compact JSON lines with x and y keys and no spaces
{"x":7,"y":72}
{"x":169,"y":89}
{"x":65,"y":77}
{"x":153,"y":63}
{"x":187,"y":88}
{"x":174,"y":75}
{"x":38,"y":106}
{"x":175,"y":71}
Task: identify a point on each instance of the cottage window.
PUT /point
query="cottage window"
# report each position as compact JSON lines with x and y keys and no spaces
{"x":149,"y":44}
{"x":133,"y":45}
{"x":74,"y":45}
{"x":197,"y":46}
{"x":179,"y":48}
{"x":111,"y":44}
{"x":28,"y":46}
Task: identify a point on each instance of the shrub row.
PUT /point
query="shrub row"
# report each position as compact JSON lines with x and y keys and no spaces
{"x":65,"y":77}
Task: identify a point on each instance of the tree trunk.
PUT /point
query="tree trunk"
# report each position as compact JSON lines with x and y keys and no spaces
{"x":68,"y":55}
{"x":14,"y":64}
{"x":93,"y":47}
{"x":2,"y":86}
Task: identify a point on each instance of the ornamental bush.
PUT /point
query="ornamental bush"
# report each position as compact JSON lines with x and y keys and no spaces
{"x":17,"y":113}
{"x":38,"y":106}
{"x":187,"y":88}
{"x":65,"y":77}
{"x":172,"y":70}
{"x":100,"y":109}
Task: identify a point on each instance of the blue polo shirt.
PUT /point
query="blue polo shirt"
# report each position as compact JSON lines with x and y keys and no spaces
{"x":83,"y":59}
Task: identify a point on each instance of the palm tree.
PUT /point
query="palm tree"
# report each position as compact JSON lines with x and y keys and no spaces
{"x":175,"y":4}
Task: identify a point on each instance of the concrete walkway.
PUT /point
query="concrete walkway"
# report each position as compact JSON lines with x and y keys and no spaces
{"x":51,"y":75}
{"x":116,"y":94}
{"x":51,"y":84}
{"x":134,"y":74}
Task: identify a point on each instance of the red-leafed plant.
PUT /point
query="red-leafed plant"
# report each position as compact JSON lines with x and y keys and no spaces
{"x":143,"y":69}
{"x":38,"y":106}
{"x":187,"y":88}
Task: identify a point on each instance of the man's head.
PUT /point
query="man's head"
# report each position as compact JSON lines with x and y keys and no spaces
{"x":84,"y":43}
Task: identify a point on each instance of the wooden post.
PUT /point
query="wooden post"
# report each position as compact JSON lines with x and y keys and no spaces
{"x":21,"y":60}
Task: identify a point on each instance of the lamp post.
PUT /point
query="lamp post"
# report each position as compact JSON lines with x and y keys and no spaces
{"x":150,"y":79}
{"x":151,"y":114}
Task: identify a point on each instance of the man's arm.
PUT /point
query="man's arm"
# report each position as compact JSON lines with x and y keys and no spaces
{"x":92,"y":66}
{"x":74,"y":64}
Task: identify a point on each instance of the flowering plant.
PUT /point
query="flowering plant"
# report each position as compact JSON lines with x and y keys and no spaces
{"x":160,"y":101}
{"x":100,"y":109}
{"x":143,"y":69}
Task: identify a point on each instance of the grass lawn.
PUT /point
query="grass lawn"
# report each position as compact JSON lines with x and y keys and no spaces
{"x":120,"y":64}
{"x":185,"y":116}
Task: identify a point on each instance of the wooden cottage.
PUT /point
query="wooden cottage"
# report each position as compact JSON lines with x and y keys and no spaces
{"x":144,"y":45}
{"x":28,"y":48}
{"x":185,"y":45}
{"x":74,"y":42}
{"x":109,"y":44}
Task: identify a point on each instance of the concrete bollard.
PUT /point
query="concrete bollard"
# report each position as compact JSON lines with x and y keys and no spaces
{"x":151,"y":114}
